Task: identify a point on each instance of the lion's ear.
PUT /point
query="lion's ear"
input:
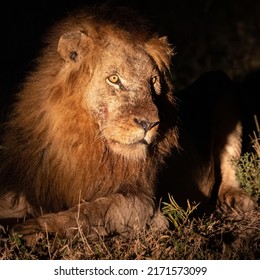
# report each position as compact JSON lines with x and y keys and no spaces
{"x":73,"y":45}
{"x":161,"y":51}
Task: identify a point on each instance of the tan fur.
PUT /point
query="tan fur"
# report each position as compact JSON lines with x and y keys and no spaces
{"x":96,"y":120}
{"x":80,"y":150}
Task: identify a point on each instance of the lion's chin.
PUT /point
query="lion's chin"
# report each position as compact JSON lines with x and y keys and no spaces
{"x":133,"y":151}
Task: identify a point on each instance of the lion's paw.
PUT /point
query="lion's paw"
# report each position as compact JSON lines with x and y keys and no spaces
{"x":36,"y":225}
{"x":235,"y":201}
{"x":31,"y":231}
{"x":63,"y":224}
{"x":35,"y":228}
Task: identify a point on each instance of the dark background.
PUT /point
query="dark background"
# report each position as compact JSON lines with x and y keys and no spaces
{"x":207,"y":35}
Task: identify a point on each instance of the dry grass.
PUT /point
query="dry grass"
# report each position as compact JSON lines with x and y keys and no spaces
{"x":204,"y":238}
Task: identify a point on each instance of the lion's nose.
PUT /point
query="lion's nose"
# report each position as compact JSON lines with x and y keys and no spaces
{"x":146,"y":125}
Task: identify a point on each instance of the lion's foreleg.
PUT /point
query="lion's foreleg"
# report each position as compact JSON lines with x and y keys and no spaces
{"x":231,"y":196}
{"x":116,"y":213}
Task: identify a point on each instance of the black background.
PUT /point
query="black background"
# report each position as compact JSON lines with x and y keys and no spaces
{"x":207,"y":34}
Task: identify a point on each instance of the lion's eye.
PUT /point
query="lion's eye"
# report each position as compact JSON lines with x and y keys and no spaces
{"x":155,"y":85}
{"x":114,"y":79}
{"x":154,"y":80}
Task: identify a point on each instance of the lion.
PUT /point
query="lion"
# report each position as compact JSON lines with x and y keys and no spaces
{"x":88,"y":132}
{"x":92,"y":128}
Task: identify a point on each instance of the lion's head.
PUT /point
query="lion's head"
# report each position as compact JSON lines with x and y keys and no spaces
{"x":124,"y":76}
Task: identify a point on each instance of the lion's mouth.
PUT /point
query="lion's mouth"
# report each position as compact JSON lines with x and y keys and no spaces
{"x":132,"y":150}
{"x":139,"y":142}
{"x":132,"y":146}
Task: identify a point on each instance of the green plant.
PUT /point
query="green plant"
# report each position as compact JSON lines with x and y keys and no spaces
{"x":248,"y":167}
{"x":248,"y":174}
{"x":176,"y":214}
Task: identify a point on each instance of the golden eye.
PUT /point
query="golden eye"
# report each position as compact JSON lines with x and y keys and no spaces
{"x":114,"y":79}
{"x":154,"y":80}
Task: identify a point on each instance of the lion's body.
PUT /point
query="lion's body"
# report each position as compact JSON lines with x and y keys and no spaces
{"x":76,"y":135}
{"x":210,"y":140}
{"x":91,"y":128}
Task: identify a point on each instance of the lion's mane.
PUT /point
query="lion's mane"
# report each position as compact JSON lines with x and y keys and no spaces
{"x":54,"y":158}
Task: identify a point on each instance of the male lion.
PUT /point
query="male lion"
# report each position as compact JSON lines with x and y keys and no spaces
{"x":90,"y":128}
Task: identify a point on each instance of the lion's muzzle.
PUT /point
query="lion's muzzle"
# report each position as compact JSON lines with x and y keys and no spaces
{"x":131,"y":136}
{"x":146,"y":125}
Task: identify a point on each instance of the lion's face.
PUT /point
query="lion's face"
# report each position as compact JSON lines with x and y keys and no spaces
{"x":122,"y":95}
{"x":123,"y":86}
